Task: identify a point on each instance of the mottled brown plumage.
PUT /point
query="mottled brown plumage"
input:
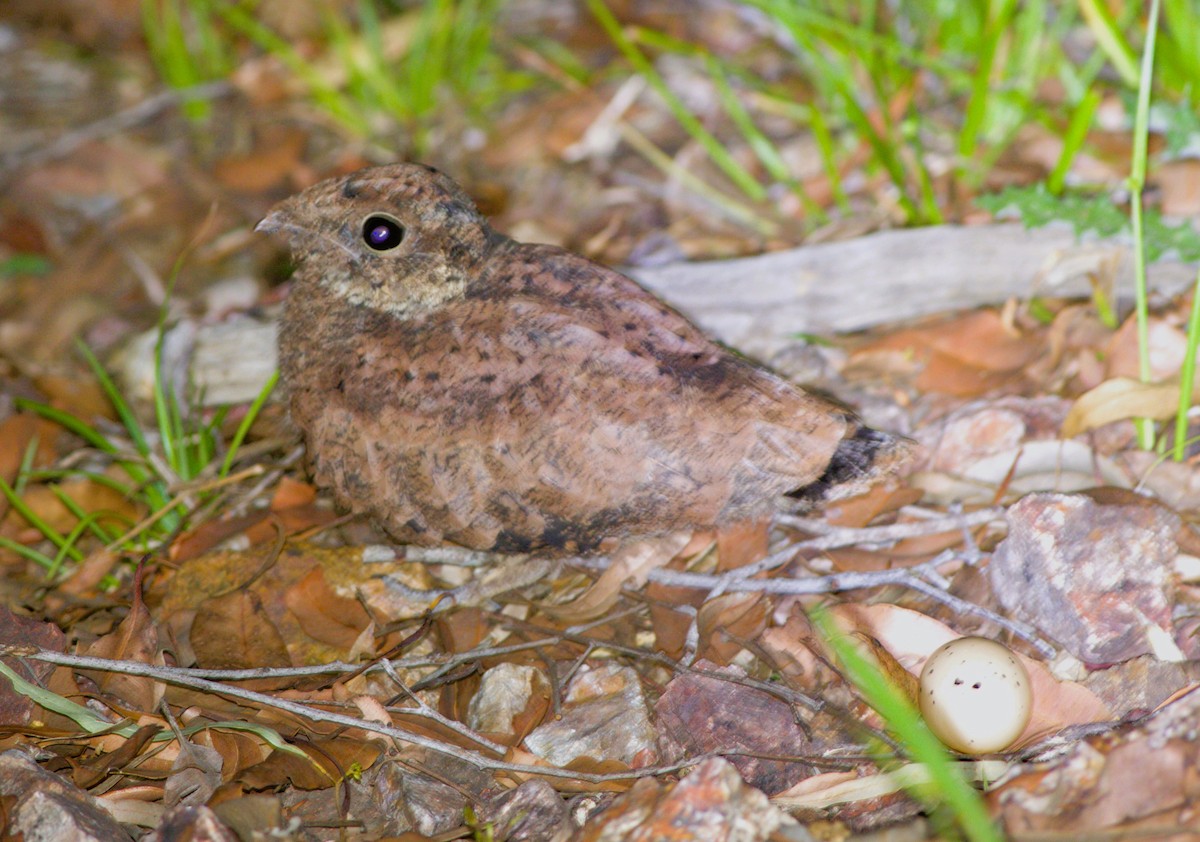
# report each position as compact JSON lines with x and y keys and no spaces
{"x":462,"y":387}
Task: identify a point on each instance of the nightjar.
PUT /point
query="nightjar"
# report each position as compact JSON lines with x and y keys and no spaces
{"x":461,"y":387}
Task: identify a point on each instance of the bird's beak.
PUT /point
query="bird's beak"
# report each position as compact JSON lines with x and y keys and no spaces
{"x":272,"y":223}
{"x":282,"y":219}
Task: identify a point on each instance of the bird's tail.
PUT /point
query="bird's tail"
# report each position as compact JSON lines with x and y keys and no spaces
{"x":862,"y":459}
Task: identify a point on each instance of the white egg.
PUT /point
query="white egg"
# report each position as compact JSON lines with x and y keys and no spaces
{"x":975,"y":695}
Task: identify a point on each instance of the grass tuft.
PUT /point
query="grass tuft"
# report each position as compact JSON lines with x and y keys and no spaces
{"x":182,"y":447}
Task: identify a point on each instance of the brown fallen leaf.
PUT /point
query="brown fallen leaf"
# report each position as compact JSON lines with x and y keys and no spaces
{"x":966,"y":355}
{"x":233,"y":631}
{"x":1118,"y":399}
{"x":323,"y":614}
{"x":631,"y":564}
{"x":16,"y":432}
{"x":268,"y":166}
{"x":16,"y":630}
{"x":134,"y":639}
{"x":1165,"y":344}
{"x":726,"y":622}
{"x":328,"y":762}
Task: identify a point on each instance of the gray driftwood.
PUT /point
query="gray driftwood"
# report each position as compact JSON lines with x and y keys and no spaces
{"x":759,"y":304}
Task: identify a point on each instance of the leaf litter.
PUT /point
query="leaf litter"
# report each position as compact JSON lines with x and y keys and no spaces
{"x":272,"y":663}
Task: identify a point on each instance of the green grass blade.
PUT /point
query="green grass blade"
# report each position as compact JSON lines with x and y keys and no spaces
{"x":1137,"y":181}
{"x":69,"y":422}
{"x":1107,"y":33}
{"x":244,"y":427}
{"x":43,"y":474}
{"x":765,"y":150}
{"x":128,"y":419}
{"x":26,"y":466}
{"x":268,"y":735}
{"x":38,"y":523}
{"x":377,"y":75}
{"x":77,"y":713}
{"x":166,"y":411}
{"x":1073,"y":139}
{"x":89,"y":519}
{"x":855,"y":39}
{"x":40,"y":559}
{"x":842,"y":87}
{"x":1187,"y":374}
{"x":825,"y":145}
{"x":155,"y":488}
{"x":999,"y":14}
{"x":323,"y":93}
{"x":712,"y":146}
{"x":87,"y":522}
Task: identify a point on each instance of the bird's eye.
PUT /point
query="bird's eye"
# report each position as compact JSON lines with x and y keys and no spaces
{"x":382,"y":233}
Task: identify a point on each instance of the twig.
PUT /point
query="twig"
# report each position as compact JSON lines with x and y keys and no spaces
{"x":785,"y":694}
{"x":335,"y":667}
{"x":174,"y":675}
{"x":829,"y":537}
{"x":835,"y":583}
{"x":426,"y":711}
{"x":44,"y":150}
{"x":780,"y":691}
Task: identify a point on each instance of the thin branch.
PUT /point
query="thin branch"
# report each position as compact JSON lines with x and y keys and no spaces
{"x":335,"y":667}
{"x":426,"y":711}
{"x":830,"y":537}
{"x":43,"y":150}
{"x":910,"y":577}
{"x":183,"y":678}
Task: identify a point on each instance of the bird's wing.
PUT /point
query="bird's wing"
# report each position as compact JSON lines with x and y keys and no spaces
{"x":536,"y":418}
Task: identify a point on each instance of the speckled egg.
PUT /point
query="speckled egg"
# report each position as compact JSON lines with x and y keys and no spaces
{"x":975,"y":695}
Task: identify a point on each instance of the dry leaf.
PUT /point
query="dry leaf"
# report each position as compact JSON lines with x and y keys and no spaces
{"x":630,"y":565}
{"x":968,"y":355}
{"x":726,"y":622}
{"x":269,"y":166}
{"x":1118,"y":399}
{"x":135,"y":639}
{"x":1166,"y":347}
{"x":742,"y":543}
{"x":16,"y":709}
{"x":323,"y":614}
{"x":16,"y":432}
{"x":328,"y":763}
{"x":234,"y":632}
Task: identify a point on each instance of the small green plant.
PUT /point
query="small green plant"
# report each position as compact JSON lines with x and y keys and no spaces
{"x":161,"y":465}
{"x":24,"y":264}
{"x":878,"y":82}
{"x":900,"y":85}
{"x":186,"y":46}
{"x":379,"y":73}
{"x":1097,"y":213}
{"x":1093,"y":213}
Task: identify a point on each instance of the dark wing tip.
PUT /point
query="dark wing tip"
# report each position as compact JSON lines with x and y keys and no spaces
{"x":861,"y":460}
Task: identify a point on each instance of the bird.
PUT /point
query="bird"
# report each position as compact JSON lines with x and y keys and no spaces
{"x":461,"y":388}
